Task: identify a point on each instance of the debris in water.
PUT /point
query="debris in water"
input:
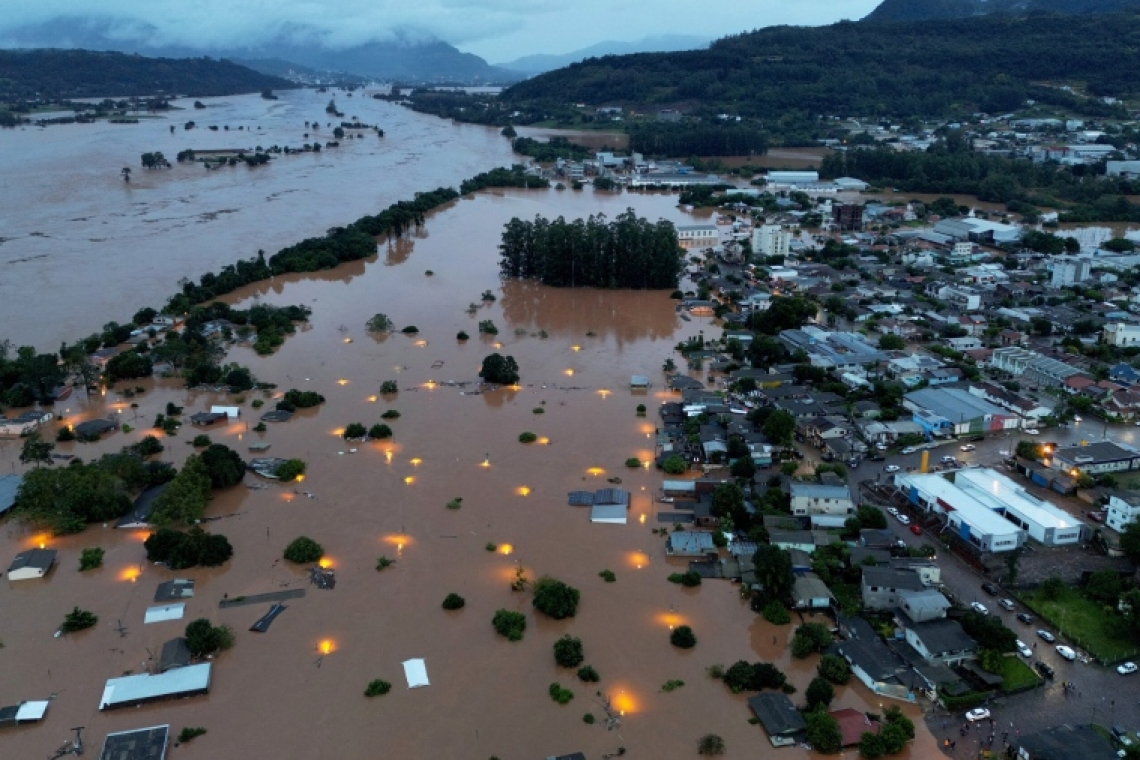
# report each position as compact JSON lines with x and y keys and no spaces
{"x":322,"y":577}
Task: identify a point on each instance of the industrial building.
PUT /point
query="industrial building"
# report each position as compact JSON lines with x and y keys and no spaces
{"x":1095,"y":458}
{"x":952,"y":411}
{"x":974,"y":522}
{"x":1037,"y":369}
{"x":841,"y":351}
{"x":1043,"y":522}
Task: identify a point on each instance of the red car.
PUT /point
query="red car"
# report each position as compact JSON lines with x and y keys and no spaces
{"x":916,"y":530}
{"x":1096,"y":516}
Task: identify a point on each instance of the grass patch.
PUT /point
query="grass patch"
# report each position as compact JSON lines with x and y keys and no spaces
{"x":1104,"y":634}
{"x":1016,"y":675}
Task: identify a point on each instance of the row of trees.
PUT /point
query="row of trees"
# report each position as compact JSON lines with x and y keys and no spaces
{"x":698,"y":138}
{"x":629,"y":252}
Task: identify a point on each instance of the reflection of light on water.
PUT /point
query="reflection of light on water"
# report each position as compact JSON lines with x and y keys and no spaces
{"x":595,"y":471}
{"x":523,"y":491}
{"x":388,"y":456}
{"x":327,"y":646}
{"x":575,"y":349}
{"x":506,"y":549}
{"x":325,"y":562}
{"x":421,"y":343}
{"x":39,"y":540}
{"x":497,"y":344}
{"x":342,"y":381}
{"x":544,"y":441}
{"x":130,"y":574}
{"x":398,"y":540}
{"x":372,"y":399}
{"x":624,"y":702}
{"x":300,"y":478}
{"x":605,"y":392}
{"x":338,"y":432}
{"x":637,"y":559}
{"x":348,"y":340}
{"x":409,"y":480}
{"x":570,"y":372}
{"x":670,"y":619}
{"x":430,"y":385}
{"x":641,"y":519}
{"x":416,"y":461}
{"x":485,"y":463}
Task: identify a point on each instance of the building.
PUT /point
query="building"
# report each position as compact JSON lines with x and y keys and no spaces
{"x":853,"y":724}
{"x":928,"y":572}
{"x":1095,"y":458}
{"x":1025,"y":407}
{"x":847,"y":217}
{"x":1069,"y":270}
{"x":138,"y":744}
{"x":139,"y":516}
{"x":128,"y":691}
{"x":953,"y":411}
{"x":981,"y":231}
{"x":970,"y":520}
{"x":9,"y":487}
{"x":684,"y":543}
{"x":810,"y":593}
{"x":779,"y":717}
{"x":1035,"y":368}
{"x":941,"y":640}
{"x":24,"y":424}
{"x":1123,"y":508}
{"x":31,"y":564}
{"x":789,"y":179}
{"x":883,"y":586}
{"x":1064,"y":742}
{"x":698,"y":235}
{"x":818,"y":499}
{"x":770,"y":240}
{"x":1122,"y":335}
{"x":879,"y":668}
{"x":922,"y":606}
{"x":844,"y":352}
{"x":174,"y":654}
{"x":1043,"y":522}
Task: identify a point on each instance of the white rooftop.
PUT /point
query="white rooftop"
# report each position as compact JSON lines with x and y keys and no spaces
{"x":33,"y":710}
{"x":130,"y":690}
{"x":995,"y":490}
{"x":165,"y":612}
{"x":980,"y":516}
{"x":416,"y":673}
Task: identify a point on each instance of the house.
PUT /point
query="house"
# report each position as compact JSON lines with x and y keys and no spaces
{"x":922,"y":606}
{"x":9,"y":487}
{"x":139,"y":516}
{"x":779,"y":717}
{"x":1064,"y":742}
{"x":1096,"y":458}
{"x":1122,"y":335}
{"x":684,"y":543}
{"x":874,"y":538}
{"x":138,"y":744}
{"x":638,"y":382}
{"x":30,"y":711}
{"x":968,"y":343}
{"x":173,"y":590}
{"x":128,"y":691}
{"x":698,"y":235}
{"x":873,"y":662}
{"x":24,"y":424}
{"x":92,"y":429}
{"x":818,"y":499}
{"x":928,"y":572}
{"x":174,"y":654}
{"x":805,"y":540}
{"x":941,"y":640}
{"x":232,"y":412}
{"x":882,"y":587}
{"x":31,"y":564}
{"x":853,"y":724}
{"x":810,"y":593}
{"x":954,"y":411}
{"x":1123,"y":508}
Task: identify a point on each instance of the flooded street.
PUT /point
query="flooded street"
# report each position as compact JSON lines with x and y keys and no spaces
{"x":275,"y":694}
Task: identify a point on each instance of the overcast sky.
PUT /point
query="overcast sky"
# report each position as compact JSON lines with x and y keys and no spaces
{"x":498,"y":30}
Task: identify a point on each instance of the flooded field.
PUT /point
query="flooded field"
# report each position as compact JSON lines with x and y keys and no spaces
{"x":297,"y":691}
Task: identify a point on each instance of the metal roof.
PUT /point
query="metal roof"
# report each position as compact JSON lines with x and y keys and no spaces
{"x":939,"y":636}
{"x":9,"y":485}
{"x":777,"y":713}
{"x":979,"y":516}
{"x":165,"y":612}
{"x":818,"y":491}
{"x":996,"y":491}
{"x":608,"y":513}
{"x":136,"y":689}
{"x":954,"y":404}
{"x":138,"y":744}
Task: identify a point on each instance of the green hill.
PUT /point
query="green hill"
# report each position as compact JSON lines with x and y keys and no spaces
{"x":926,"y":10}
{"x":906,"y":69}
{"x":61,"y":74}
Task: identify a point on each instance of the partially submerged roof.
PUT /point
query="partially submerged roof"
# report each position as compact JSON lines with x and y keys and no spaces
{"x":777,"y":713}
{"x":853,"y":724}
{"x":164,"y":612}
{"x":95,"y":427}
{"x":9,"y":485}
{"x":266,"y":620}
{"x":178,"y":588}
{"x":139,"y":516}
{"x":581,"y":498}
{"x":136,"y":744}
{"x":175,"y":654}
{"x":33,"y":559}
{"x":137,"y":689}
{"x":608,"y":513}
{"x":416,"y":673}
{"x":611,"y":496}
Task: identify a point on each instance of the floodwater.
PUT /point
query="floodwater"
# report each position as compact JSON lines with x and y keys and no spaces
{"x":297,"y":691}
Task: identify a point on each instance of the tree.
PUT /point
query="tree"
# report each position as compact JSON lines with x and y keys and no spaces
{"x":500,"y":370}
{"x":727,"y":499}
{"x":568,"y":652}
{"x":739,"y":676}
{"x":674,"y":464}
{"x":78,"y":620}
{"x":224,"y":466}
{"x":36,"y":450}
{"x":810,"y":638}
{"x":184,"y":499}
{"x":989,"y":632}
{"x":891,"y":342}
{"x":380,"y":323}
{"x":779,"y":427}
{"x":1130,"y":541}
{"x":774,"y":571}
{"x":290,"y":469}
{"x":453,"y":601}
{"x":303,"y":550}
{"x":512,"y":625}
{"x":1104,"y":586}
{"x":871,"y":746}
{"x":683,"y":637}
{"x":1029,"y":450}
{"x":710,"y":744}
{"x":1052,"y":588}
{"x":126,"y":172}
{"x":377,"y":688}
{"x":353,"y":431}
{"x":129,"y":365}
{"x":555,"y":598}
{"x":819,"y":693}
{"x":379,"y":432}
{"x":894,"y":738}
{"x":871,"y":517}
{"x":823,"y":732}
{"x":90,"y":558}
{"x":834,"y":668}
{"x":202,"y":638}
{"x":195,"y":547}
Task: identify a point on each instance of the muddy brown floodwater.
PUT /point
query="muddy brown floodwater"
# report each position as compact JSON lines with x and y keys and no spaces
{"x":274,"y":694}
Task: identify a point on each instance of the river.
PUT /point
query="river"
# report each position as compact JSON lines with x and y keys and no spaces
{"x":274,"y":694}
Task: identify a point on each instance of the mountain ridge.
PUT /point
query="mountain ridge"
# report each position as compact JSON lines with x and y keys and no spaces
{"x":935,"y":10}
{"x":540,"y":63}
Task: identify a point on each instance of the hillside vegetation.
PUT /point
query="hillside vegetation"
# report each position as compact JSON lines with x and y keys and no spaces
{"x":925,"y":10}
{"x":62,"y":74}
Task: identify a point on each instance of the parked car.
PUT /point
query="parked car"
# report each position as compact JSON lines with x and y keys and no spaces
{"x":1077,"y":418}
{"x":1046,"y":635}
{"x":1024,"y":617}
{"x":1032,"y":431}
{"x":1066,"y":652}
{"x":1126,"y":668}
{"x":903,"y":519}
{"x":1045,"y":670}
{"x":891,"y":468}
{"x":1006,"y":604}
{"x":1096,"y":516}
{"x":1023,"y":650}
{"x":948,"y":460}
{"x":978,"y":713}
{"x":1121,"y":735}
{"x":892,"y":512}
{"x":916,"y":530}
{"x":977,"y":438}
{"x":909,"y":450}
{"x":881,"y":446}
{"x":967,"y":447}
{"x":878,"y":458}
{"x":979,"y":608}
{"x":990,"y":589}
{"x":853,"y":464}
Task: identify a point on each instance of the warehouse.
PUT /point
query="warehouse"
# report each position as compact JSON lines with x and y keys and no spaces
{"x":1095,"y":458}
{"x":1040,"y":519}
{"x":953,"y":411}
{"x":972,"y":521}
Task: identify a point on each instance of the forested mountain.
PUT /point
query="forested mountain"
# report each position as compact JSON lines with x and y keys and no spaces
{"x":30,"y":74}
{"x":537,"y":64}
{"x":990,"y":64}
{"x":929,"y":10}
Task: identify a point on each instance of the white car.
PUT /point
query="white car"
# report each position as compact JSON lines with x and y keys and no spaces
{"x":892,"y":512}
{"x":1077,"y":418}
{"x":979,"y":608}
{"x":883,"y":446}
{"x":1126,"y":668}
{"x":967,"y":447}
{"x":978,"y":713}
{"x":891,"y":468}
{"x":948,"y":460}
{"x":1066,"y":652}
{"x":1046,"y":635}
{"x":909,"y":450}
{"x":1032,"y":431}
{"x":1023,"y":650}
{"x":903,"y":519}
{"x":1007,"y":604}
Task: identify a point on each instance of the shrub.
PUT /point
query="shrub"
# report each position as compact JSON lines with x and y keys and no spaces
{"x":588,"y":718}
{"x":382,"y":563}
{"x":380,"y":323}
{"x":527,"y":437}
{"x":410,"y":330}
{"x":89,"y":559}
{"x":688,"y":579}
{"x":195,"y":547}
{"x":509,"y":624}
{"x":260,"y":427}
{"x":201,"y":441}
{"x":641,"y":410}
{"x":455,"y":503}
{"x":377,"y":688}
{"x":78,"y":620}
{"x":633,"y":462}
{"x":715,"y":671}
{"x":560,"y":695}
{"x":173,"y":410}
{"x":672,"y":685}
{"x":462,"y":335}
{"x":683,"y":637}
{"x":674,"y":465}
{"x":710,"y":744}
{"x":738,"y":677}
{"x":188,"y":734}
{"x":453,"y":601}
{"x":487,"y":327}
{"x":355,"y":430}
{"x":290,"y":469}
{"x":65,"y":433}
{"x":568,"y":652}
{"x":608,"y":576}
{"x":819,"y":693}
{"x":587,"y":674}
{"x":555,"y":598}
{"x":810,"y":638}
{"x":823,"y":732}
{"x":379,"y":432}
{"x":391,"y":414}
{"x":499,"y":370}
{"x":388,"y":387}
{"x":1052,"y":588}
{"x":776,"y":613}
{"x":488,"y":296}
{"x":538,"y":410}
{"x":871,"y":746}
{"x":303,"y":550}
{"x":257,"y":403}
{"x":490,"y":546}
{"x":202,"y":638}
{"x":834,"y":668}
